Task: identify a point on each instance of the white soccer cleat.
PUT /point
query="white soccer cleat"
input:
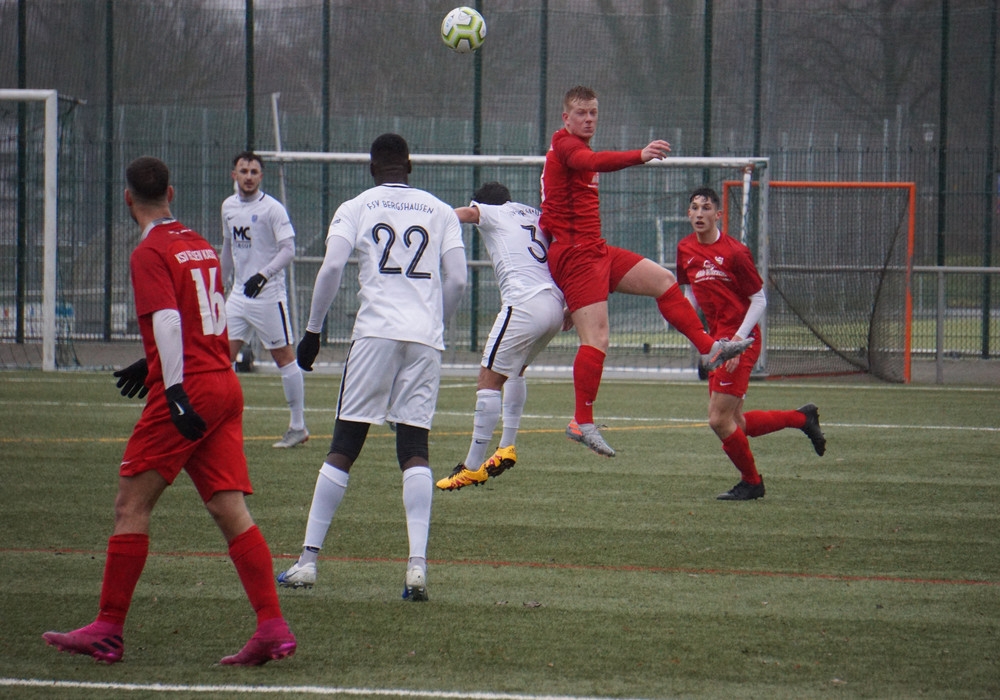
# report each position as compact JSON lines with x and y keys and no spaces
{"x":588,"y":434}
{"x":292,"y":437}
{"x":298,"y":576}
{"x":415,"y":588}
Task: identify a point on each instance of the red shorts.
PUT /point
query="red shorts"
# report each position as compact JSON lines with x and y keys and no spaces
{"x":735,"y":383}
{"x":216,"y":462}
{"x":587,"y":273}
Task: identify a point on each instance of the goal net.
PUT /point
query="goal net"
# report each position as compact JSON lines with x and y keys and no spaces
{"x":642,"y":208}
{"x":837,"y":261}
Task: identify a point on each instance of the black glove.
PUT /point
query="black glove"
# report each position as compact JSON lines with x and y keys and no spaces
{"x":131,"y":379}
{"x":186,"y":420}
{"x":307,"y":350}
{"x":253,"y":286}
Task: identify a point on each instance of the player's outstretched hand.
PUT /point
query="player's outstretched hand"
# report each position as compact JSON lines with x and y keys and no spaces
{"x":655,"y":150}
{"x":131,"y":379}
{"x":253,"y":286}
{"x":307,"y":350}
{"x":186,"y":420}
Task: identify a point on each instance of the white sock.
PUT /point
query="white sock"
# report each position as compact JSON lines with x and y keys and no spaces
{"x":330,"y":486}
{"x":418,"y":489}
{"x":295,"y":394}
{"x":484,"y":422}
{"x":515,"y":394}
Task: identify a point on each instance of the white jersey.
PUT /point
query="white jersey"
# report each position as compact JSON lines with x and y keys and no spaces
{"x":253,"y":229}
{"x":517,"y":248}
{"x":400,"y":234}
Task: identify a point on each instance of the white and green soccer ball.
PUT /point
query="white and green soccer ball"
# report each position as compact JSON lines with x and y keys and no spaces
{"x":463,"y":30}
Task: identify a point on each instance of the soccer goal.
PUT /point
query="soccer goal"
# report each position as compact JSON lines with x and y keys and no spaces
{"x":643,"y":209}
{"x":28,"y":309}
{"x":837,"y":262}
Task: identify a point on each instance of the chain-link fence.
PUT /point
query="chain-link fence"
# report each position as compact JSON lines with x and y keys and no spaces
{"x":901,"y":91}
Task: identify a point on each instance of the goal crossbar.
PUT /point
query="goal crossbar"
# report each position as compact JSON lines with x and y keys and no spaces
{"x":442,"y":159}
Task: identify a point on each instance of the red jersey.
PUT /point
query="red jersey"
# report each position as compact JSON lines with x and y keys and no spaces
{"x":175,"y":268}
{"x":570,"y":205}
{"x":722,"y":276}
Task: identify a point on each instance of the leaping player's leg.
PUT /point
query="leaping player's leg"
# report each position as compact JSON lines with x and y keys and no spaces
{"x":591,"y":324}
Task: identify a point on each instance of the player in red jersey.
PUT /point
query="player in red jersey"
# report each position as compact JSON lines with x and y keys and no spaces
{"x":192,"y":420}
{"x":724,"y":281}
{"x":587,"y":269}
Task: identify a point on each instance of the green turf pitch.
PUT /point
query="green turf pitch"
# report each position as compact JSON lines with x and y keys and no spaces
{"x":870,"y":572}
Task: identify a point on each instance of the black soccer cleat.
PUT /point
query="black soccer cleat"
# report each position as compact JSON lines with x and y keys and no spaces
{"x":811,"y":428}
{"x":743,"y":492}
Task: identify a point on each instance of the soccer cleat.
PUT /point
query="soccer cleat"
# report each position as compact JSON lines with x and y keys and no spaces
{"x":811,"y":428}
{"x":415,"y":588}
{"x":292,"y":437}
{"x":723,"y":350}
{"x":589,"y":435}
{"x":460,"y":476}
{"x":272,"y":641}
{"x":743,"y":492}
{"x":502,"y":460}
{"x":298,"y":576}
{"x":102,"y":640}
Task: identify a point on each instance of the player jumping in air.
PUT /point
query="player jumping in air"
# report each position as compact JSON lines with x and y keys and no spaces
{"x":587,"y":269}
{"x":530,"y":315}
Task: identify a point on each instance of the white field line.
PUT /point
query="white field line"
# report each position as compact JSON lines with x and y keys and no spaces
{"x":278,"y":690}
{"x":700,"y":422}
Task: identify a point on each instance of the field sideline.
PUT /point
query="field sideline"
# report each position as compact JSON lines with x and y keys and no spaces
{"x":869,"y":572}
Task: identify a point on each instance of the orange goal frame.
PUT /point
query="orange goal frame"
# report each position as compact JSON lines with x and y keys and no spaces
{"x":911,"y":187}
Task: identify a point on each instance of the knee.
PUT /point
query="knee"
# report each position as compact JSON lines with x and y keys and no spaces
{"x":348,"y":439}
{"x":722,"y":424}
{"x":411,"y":445}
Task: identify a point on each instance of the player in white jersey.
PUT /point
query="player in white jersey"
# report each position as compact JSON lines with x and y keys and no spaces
{"x":258,"y":243}
{"x":412,"y":273}
{"x":532,"y":312}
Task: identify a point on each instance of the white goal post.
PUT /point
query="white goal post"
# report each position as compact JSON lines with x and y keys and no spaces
{"x":49,"y":238}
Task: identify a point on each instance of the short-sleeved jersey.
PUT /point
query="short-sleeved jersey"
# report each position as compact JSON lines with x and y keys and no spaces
{"x":255,"y":227}
{"x":400,"y":234}
{"x":570,"y":204}
{"x":517,"y":249}
{"x":723,"y":277}
{"x":175,"y":268}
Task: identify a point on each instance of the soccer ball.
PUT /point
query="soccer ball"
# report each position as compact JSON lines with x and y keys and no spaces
{"x":463,"y":30}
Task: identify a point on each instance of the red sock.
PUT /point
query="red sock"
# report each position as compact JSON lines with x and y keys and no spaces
{"x":679,"y":313}
{"x":737,"y":448}
{"x":764,"y":422}
{"x":587,"y":370}
{"x":252,"y":558}
{"x":126,"y":558}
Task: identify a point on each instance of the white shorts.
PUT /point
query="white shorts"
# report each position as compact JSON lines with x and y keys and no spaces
{"x":268,"y":318}
{"x":521,"y":332}
{"x":390,"y":380}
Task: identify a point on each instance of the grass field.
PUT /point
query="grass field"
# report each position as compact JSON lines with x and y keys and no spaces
{"x":873,"y":571}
